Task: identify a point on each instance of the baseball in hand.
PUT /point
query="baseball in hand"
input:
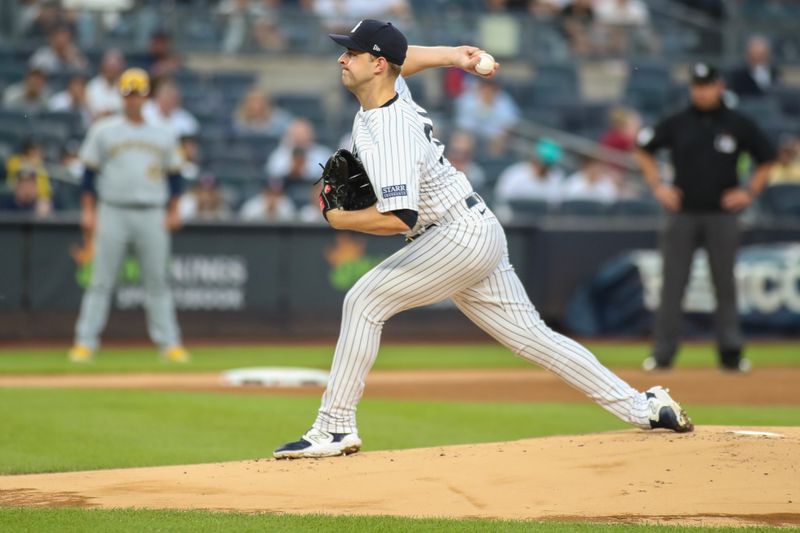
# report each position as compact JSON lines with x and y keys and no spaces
{"x":485,"y":65}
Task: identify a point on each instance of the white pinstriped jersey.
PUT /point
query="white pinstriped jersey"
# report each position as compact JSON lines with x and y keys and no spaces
{"x":464,"y":258}
{"x":405,"y":162}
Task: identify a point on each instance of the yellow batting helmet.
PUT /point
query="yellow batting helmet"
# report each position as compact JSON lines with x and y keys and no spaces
{"x":134,"y":80}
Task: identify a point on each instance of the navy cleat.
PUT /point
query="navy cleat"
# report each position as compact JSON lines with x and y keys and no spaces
{"x":318,"y":443}
{"x":667,"y":413}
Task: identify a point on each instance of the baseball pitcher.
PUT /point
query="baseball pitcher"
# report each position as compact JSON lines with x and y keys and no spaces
{"x":456,"y":247}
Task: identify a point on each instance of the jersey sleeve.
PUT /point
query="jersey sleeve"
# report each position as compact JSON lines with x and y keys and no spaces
{"x":174,"y":159}
{"x":392,"y":166}
{"x":90,"y":152}
{"x":652,"y":139}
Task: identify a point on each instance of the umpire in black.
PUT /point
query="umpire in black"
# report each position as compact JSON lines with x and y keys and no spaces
{"x":705,"y":141}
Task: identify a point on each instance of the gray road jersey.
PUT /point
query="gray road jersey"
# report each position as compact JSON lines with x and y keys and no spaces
{"x":405,"y":162}
{"x":132,"y":160}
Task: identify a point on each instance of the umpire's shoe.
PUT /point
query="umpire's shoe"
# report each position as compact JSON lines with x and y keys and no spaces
{"x":318,"y":443}
{"x":667,"y":413}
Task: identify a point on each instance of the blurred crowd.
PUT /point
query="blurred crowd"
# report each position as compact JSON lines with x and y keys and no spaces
{"x":255,"y":156}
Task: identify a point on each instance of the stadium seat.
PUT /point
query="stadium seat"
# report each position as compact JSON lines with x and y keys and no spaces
{"x":649,"y":98}
{"x":760,"y":107}
{"x":298,"y":191}
{"x":302,"y":105}
{"x":233,"y":82}
{"x":788,"y":99}
{"x":259,"y":146}
{"x":635,"y":208}
{"x":584,"y":118}
{"x":528,"y":209}
{"x":781,"y":200}
{"x":588,"y":208}
{"x":641,"y":73}
{"x":494,"y":166}
{"x":232,"y":151}
{"x":66,"y":196}
{"x":71,"y":122}
{"x":562,"y":74}
{"x":232,"y":172}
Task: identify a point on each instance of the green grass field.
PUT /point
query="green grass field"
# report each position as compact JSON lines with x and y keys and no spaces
{"x":74,"y":520}
{"x":49,"y":430}
{"x":410,"y":356}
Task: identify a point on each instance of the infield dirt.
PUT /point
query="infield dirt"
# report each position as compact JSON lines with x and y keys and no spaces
{"x":715,"y":476}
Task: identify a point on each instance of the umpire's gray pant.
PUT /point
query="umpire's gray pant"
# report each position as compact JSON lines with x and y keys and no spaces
{"x":117,"y":228}
{"x":683,"y":233}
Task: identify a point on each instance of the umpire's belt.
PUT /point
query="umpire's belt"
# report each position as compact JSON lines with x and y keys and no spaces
{"x":470,"y":201}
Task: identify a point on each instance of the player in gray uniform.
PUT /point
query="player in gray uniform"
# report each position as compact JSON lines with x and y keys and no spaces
{"x":132,"y":175}
{"x":457,"y":250}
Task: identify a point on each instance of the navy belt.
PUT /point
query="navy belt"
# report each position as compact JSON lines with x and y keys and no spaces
{"x":471,"y":201}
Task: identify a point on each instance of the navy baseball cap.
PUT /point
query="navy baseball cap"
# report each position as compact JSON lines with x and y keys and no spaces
{"x":376,"y":37}
{"x":703,"y":73}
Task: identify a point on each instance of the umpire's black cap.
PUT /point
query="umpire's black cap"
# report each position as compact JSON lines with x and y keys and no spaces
{"x":376,"y":37}
{"x":703,"y":73}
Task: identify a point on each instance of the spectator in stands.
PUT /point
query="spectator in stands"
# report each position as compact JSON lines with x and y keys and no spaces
{"x":460,"y":153}
{"x":538,"y":178}
{"x":266,"y":26}
{"x":310,"y":211}
{"x":624,"y":124}
{"x":26,"y":197}
{"x":204,"y":201}
{"x":758,"y":75}
{"x":37,"y":18}
{"x":256,"y":114}
{"x":297,"y":167}
{"x":165,"y":108}
{"x":61,"y":54}
{"x":592,"y":182}
{"x":30,"y":156}
{"x":70,"y":167}
{"x":190,"y":155}
{"x":787,"y":166}
{"x":236,"y":14}
{"x":713,"y":8}
{"x":339,"y":16}
{"x":30,"y":95}
{"x":626,"y":24}
{"x":102,"y":94}
{"x":271,"y":204}
{"x":299,"y":134}
{"x":161,"y":60}
{"x":547,"y":9}
{"x":577,"y":21}
{"x":73,"y":100}
{"x":256,"y":19}
{"x":488,"y":112}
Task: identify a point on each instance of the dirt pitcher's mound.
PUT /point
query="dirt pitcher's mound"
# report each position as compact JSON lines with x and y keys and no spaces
{"x":717,"y":475}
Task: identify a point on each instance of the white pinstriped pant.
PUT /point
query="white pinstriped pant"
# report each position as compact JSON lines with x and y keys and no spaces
{"x":466,"y":259}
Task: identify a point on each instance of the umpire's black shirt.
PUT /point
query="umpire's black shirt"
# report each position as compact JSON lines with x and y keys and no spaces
{"x":705,"y":146}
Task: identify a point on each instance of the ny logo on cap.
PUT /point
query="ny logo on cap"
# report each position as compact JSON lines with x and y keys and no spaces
{"x":356,"y":26}
{"x":376,"y":47}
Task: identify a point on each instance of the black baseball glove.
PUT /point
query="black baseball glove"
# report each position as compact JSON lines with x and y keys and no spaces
{"x":345,"y":184}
